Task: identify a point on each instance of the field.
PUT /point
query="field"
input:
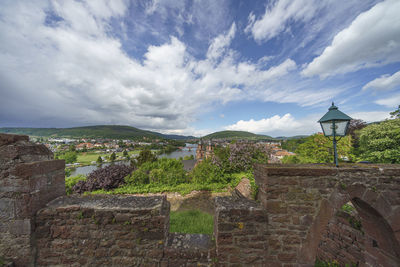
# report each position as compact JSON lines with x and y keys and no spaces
{"x":87,"y":157}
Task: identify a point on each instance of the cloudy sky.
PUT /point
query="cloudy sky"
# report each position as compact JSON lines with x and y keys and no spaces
{"x":197,"y":66}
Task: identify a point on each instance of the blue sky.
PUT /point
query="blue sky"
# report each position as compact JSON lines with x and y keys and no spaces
{"x":195,"y":67}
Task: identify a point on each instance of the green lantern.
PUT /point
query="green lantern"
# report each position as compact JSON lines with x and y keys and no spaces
{"x":335,"y":124}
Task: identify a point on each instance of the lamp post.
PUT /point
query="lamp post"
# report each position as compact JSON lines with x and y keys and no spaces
{"x":335,"y":123}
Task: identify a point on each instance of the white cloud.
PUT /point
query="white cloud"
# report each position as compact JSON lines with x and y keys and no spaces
{"x":275,"y":19}
{"x":385,"y":82}
{"x":390,"y":102}
{"x":220,"y":43}
{"x":372,"y":39}
{"x":277,"y":125}
{"x":370,"y":116}
{"x":75,"y":72}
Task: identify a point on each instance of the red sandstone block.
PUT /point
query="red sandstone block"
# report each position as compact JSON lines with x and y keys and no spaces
{"x":27,"y":170}
{"x":6,"y":139}
{"x":276,"y":207}
{"x":287,"y":257}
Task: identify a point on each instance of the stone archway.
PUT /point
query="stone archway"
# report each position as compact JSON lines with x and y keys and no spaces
{"x":301,"y":199}
{"x":380,"y":244}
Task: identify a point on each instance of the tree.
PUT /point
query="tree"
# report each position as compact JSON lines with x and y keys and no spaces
{"x":69,"y":157}
{"x":319,"y":149}
{"x":395,"y":114}
{"x":99,"y":160}
{"x":125,"y":153}
{"x":380,"y":143}
{"x":145,"y":156}
{"x":113,"y":156}
{"x":354,"y":129}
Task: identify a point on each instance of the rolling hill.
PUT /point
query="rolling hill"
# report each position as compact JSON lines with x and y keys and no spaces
{"x":99,"y":131}
{"x":237,"y":135}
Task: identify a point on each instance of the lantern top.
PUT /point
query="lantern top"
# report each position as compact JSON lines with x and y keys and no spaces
{"x":334,"y":114}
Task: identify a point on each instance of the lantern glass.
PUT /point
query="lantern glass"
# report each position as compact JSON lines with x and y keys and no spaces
{"x":340,"y":128}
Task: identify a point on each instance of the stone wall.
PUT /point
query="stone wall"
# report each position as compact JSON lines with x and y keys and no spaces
{"x":292,"y":224}
{"x":240,"y":231}
{"x":29,"y":178}
{"x":102,"y":231}
{"x":301,"y":199}
{"x":342,"y":241}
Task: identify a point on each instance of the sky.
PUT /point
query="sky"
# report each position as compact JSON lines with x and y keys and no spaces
{"x":193,"y":67}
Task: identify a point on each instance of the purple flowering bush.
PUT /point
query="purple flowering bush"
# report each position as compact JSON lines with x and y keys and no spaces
{"x":239,"y":157}
{"x":104,"y":178}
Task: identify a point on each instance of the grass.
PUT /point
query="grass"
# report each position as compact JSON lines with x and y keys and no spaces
{"x":191,"y":222}
{"x":182,"y":189}
{"x":88,"y":157}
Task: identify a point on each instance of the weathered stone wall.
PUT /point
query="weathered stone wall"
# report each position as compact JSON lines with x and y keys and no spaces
{"x":301,"y":200}
{"x":29,"y":178}
{"x":106,"y":230}
{"x":292,"y":223}
{"x":342,"y":242}
{"x":240,"y":230}
{"x":102,"y":231}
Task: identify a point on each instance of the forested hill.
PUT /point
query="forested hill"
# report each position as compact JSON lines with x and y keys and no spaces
{"x":237,"y":135}
{"x":99,"y":131}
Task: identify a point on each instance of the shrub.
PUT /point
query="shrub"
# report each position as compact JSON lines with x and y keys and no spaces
{"x":104,"y":178}
{"x":206,"y":172}
{"x":71,"y":181}
{"x":145,"y":156}
{"x":162,"y":171}
{"x":239,"y":157}
{"x":69,"y":157}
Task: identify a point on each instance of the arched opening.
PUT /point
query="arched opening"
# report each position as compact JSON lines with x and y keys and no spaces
{"x":381,"y":246}
{"x":357,"y":234}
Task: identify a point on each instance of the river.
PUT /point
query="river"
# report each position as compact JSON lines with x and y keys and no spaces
{"x":189,"y":150}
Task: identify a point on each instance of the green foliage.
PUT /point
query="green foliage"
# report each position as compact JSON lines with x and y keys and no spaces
{"x":113,"y":156}
{"x":145,"y":155}
{"x":320,"y":263}
{"x":67,"y":172}
{"x":356,"y":224}
{"x":162,"y":171}
{"x":236,"y":135}
{"x":99,"y":160}
{"x":292,"y":144}
{"x":347,"y":208}
{"x":291,"y":160}
{"x":191,"y":222}
{"x":182,"y":189}
{"x":191,"y":157}
{"x":206,"y":172}
{"x":319,"y":149}
{"x":125,"y":153}
{"x":99,"y":131}
{"x":71,"y":181}
{"x":380,"y":143}
{"x":396,"y":113}
{"x":69,"y":157}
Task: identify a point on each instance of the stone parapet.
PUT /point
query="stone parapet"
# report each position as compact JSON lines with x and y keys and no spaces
{"x":29,"y":179}
{"x":102,"y":230}
{"x":240,"y":230}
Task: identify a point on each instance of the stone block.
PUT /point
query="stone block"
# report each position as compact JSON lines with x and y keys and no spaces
{"x":6,"y":139}
{"x":20,"y":227}
{"x":7,"y":209}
